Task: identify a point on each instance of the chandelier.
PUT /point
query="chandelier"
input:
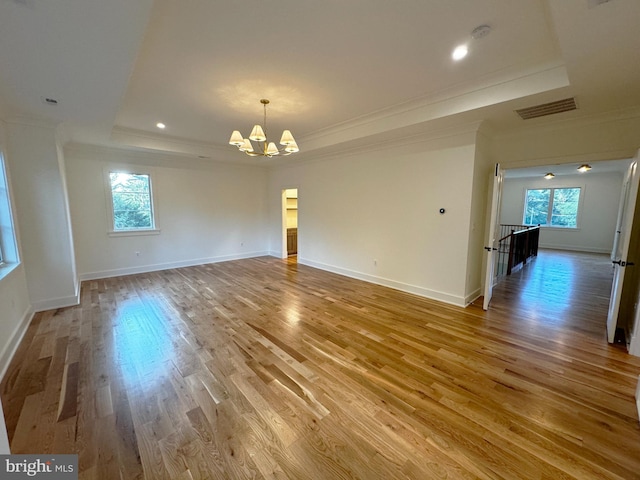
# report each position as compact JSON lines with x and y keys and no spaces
{"x":265,"y":148}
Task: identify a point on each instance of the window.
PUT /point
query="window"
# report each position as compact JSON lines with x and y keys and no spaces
{"x":552,"y":207}
{"x":8,"y":245}
{"x":131,"y":202}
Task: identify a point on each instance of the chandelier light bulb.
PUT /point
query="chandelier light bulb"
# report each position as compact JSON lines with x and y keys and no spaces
{"x":236,"y":139}
{"x":272,"y":149}
{"x":287,"y":138}
{"x":292,"y":147}
{"x":246,"y":146}
{"x":257,"y":134}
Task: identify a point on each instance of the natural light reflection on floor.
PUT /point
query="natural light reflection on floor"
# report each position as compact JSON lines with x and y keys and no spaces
{"x":292,"y":313}
{"x":143,"y":348}
{"x":548,"y":288}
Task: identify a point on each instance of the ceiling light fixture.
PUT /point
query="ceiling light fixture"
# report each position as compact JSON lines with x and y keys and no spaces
{"x":460,"y":52}
{"x":161,"y":125}
{"x":549,"y":176}
{"x":584,"y":168}
{"x":258,"y":134}
{"x":477,"y":33}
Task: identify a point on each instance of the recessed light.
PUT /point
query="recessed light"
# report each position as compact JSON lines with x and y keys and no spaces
{"x":160,"y":125}
{"x":477,"y":33}
{"x":460,"y":52}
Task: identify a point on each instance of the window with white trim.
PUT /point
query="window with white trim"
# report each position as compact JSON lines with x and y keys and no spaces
{"x":552,"y":207}
{"x":131,"y":203}
{"x":8,"y":243}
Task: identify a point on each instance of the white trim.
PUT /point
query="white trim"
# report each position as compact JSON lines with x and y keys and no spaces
{"x":14,"y":341}
{"x":470,"y":298}
{"x":133,"y":233}
{"x":131,"y":170}
{"x":60,"y":302}
{"x":166,"y":266}
{"x":7,"y":268}
{"x":574,"y":248}
{"x":404,"y":287}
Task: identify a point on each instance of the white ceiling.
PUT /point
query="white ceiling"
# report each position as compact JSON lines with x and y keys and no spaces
{"x":609,"y":166}
{"x":338,"y":73}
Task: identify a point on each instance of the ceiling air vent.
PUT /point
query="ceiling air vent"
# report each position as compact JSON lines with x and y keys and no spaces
{"x":559,"y":106}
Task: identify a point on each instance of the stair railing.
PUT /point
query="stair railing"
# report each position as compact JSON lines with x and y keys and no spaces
{"x":517,"y":244}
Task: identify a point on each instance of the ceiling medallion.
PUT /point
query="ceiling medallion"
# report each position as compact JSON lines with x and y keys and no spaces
{"x":265,"y":147}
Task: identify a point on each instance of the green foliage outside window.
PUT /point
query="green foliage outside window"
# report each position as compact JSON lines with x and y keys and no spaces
{"x":552,"y":207}
{"x":536,"y":207}
{"x":131,"y":194}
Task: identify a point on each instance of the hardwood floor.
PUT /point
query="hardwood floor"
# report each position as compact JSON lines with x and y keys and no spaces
{"x":263,"y":368}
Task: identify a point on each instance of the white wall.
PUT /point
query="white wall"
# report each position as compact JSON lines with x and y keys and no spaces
{"x":375,"y":215}
{"x":205,"y":212}
{"x":540,"y":142}
{"x":597,"y":213}
{"x":483,"y":170}
{"x":14,"y":296}
{"x":41,"y":211}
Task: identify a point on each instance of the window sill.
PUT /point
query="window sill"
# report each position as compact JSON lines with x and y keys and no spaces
{"x":133,"y":233}
{"x":563,"y":229}
{"x":7,"y":268}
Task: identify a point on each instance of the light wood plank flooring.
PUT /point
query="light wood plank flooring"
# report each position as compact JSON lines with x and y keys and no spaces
{"x":263,"y":368}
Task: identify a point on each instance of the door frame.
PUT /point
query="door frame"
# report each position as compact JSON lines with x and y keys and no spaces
{"x":283,"y":224}
{"x":496,"y":183}
{"x":623,"y":231}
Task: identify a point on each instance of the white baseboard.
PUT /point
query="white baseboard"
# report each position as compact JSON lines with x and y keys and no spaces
{"x":166,"y":266}
{"x":573,"y":248}
{"x":14,"y":340}
{"x":404,"y":287}
{"x":53,"y":303}
{"x":469,"y":299}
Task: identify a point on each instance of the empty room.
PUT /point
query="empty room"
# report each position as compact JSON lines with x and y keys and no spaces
{"x":344,"y":240}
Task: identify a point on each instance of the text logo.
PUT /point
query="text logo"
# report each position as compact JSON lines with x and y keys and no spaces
{"x":50,"y":467}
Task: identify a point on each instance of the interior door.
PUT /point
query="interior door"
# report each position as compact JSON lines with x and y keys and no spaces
{"x":620,"y":255}
{"x":492,"y":244}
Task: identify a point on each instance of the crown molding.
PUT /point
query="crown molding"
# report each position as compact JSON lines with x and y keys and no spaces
{"x":127,"y":154}
{"x":493,"y":89}
{"x":462,"y":134}
{"x":28,"y":121}
{"x":143,"y":139}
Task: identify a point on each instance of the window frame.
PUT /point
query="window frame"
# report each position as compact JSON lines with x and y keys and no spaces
{"x":130,"y":170}
{"x":552,"y":190}
{"x":9,"y":251}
